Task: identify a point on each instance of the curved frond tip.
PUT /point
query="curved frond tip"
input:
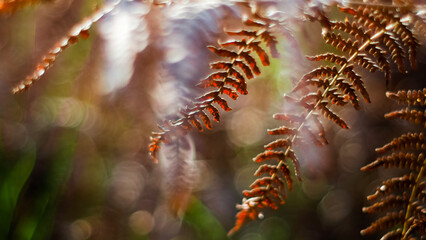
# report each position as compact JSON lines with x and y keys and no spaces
{"x":79,"y":31}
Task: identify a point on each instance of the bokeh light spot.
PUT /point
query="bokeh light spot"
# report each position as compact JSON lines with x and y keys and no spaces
{"x":141,"y":222}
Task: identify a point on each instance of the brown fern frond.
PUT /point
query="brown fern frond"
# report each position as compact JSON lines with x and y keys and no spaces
{"x":238,"y":66}
{"x":79,"y":31}
{"x":351,"y":47}
{"x":393,"y":185}
{"x":414,"y":116}
{"x":387,"y":203}
{"x":178,"y":167}
{"x":399,"y":160}
{"x":391,"y":219}
{"x":375,"y":19}
{"x":410,"y":97}
{"x":369,"y":43}
{"x":401,"y":30}
{"x":409,"y":141}
{"x":406,"y":193}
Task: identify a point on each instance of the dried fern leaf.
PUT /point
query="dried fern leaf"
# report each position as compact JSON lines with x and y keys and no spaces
{"x":399,"y":160}
{"x":414,"y":116}
{"x":238,"y":66}
{"x":401,"y":30}
{"x":334,"y":85}
{"x":406,"y":193}
{"x":391,"y":219}
{"x":374,"y":20}
{"x":387,"y":203}
{"x":393,"y":185}
{"x":409,"y":141}
{"x":410,"y":97}
{"x":80,"y":30}
{"x":178,"y":168}
{"x":332,"y":116}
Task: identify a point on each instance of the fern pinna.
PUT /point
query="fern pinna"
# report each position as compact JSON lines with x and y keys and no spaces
{"x":402,"y":199}
{"x":228,"y":80}
{"x":376,"y":37}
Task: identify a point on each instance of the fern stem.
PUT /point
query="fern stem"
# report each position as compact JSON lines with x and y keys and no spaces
{"x":412,"y":197}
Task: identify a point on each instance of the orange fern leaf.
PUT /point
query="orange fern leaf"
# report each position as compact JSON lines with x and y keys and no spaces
{"x":334,"y":85}
{"x":80,"y":30}
{"x":402,"y":198}
{"x":412,"y":98}
{"x":239,"y":55}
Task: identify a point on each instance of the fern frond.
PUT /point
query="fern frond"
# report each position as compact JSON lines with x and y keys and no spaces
{"x":392,"y":185}
{"x":79,"y":31}
{"x":399,"y":160}
{"x":406,"y":193}
{"x":178,"y":167}
{"x":409,"y":141}
{"x":399,"y":35}
{"x":387,"y":203}
{"x":385,"y":222}
{"x":239,"y":55}
{"x":410,"y":97}
{"x":369,"y":42}
{"x":414,"y":116}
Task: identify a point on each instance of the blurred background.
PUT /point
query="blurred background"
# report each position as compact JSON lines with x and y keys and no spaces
{"x":74,"y":160}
